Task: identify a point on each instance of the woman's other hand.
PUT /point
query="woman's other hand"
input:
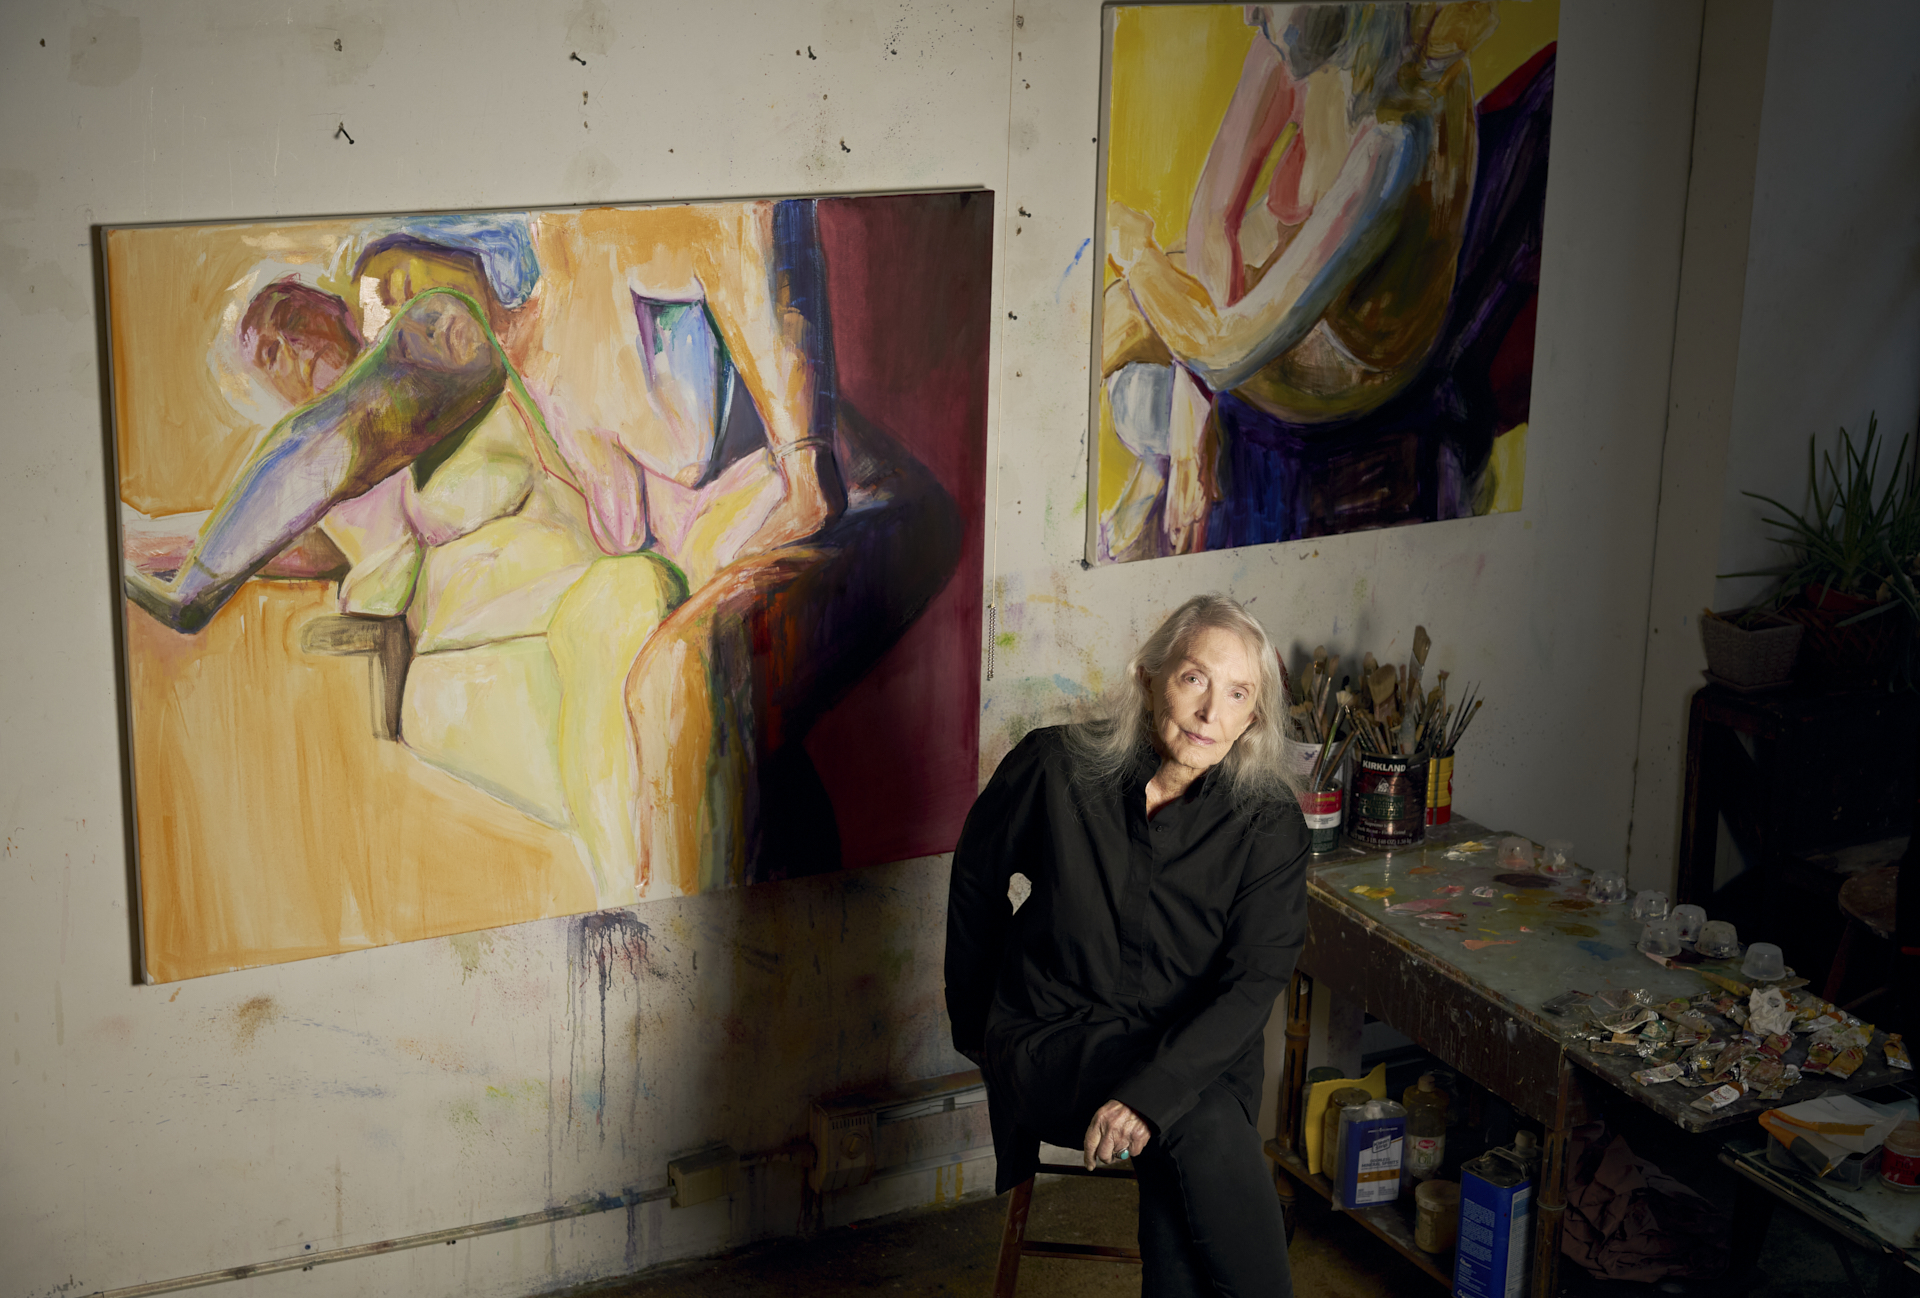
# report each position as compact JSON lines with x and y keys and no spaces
{"x":1132,"y":236}
{"x":1115,"y":1129}
{"x":815,"y":496}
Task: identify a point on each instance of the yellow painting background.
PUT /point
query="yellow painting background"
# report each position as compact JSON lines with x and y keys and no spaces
{"x":1174,"y":68}
{"x":271,"y":823}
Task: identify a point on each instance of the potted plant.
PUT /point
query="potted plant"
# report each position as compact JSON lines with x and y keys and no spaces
{"x":1854,"y":556}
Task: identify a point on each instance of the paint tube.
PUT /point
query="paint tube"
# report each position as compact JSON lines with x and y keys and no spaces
{"x":1720,"y":1097}
{"x":1845,"y":1061}
{"x":1566,"y":1003}
{"x":1654,"y":1076}
{"x":1764,"y":1079}
{"x":1897,"y":1052}
{"x":1625,"y":1020}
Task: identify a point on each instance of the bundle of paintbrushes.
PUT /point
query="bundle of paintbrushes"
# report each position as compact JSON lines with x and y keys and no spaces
{"x":1393,"y":717}
{"x":1316,"y":714}
{"x":1310,"y":712}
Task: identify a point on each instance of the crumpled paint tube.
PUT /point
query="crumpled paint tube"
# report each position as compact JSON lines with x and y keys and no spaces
{"x":1720,"y":1097}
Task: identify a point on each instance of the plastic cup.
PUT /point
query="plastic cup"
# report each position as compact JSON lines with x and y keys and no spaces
{"x":1607,"y":888}
{"x":1661,"y":937}
{"x":1763,"y":963}
{"x":1718,"y":939}
{"x":1556,"y":856}
{"x":1516,"y":854}
{"x":1691,"y":920}
{"x":1649,"y":904}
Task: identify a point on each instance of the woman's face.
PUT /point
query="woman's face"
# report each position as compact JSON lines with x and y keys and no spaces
{"x":1204,"y":700}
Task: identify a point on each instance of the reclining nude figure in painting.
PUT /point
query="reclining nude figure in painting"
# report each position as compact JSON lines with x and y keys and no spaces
{"x":1320,"y":299}
{"x":627,"y":591}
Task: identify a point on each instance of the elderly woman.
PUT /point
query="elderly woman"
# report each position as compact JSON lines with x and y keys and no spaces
{"x":1120,"y":1007}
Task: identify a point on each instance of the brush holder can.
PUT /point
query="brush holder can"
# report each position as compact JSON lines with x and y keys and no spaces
{"x":1440,"y":790}
{"x":1322,"y":811}
{"x":1389,"y":802}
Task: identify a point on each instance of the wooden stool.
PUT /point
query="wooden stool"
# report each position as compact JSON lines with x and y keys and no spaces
{"x":1015,"y":1245}
{"x":1867,"y":901}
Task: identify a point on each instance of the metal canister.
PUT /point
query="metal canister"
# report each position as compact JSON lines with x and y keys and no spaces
{"x":1389,"y":803}
{"x":1440,"y":790}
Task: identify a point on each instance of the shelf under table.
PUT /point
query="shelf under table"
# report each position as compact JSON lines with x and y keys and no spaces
{"x":1392,"y":1222}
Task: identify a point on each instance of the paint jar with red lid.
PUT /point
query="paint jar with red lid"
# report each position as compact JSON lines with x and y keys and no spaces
{"x":1900,"y":1163}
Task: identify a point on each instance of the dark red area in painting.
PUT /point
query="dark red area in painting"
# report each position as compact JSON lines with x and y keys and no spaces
{"x":1511,"y":373}
{"x":908,"y":286}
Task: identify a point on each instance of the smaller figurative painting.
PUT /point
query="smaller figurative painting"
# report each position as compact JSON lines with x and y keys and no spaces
{"x":1322,"y":256}
{"x":488,"y":567}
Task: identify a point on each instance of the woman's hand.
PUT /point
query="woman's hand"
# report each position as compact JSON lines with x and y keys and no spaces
{"x":1115,"y":1128}
{"x":815,"y":496}
{"x":1132,"y":236}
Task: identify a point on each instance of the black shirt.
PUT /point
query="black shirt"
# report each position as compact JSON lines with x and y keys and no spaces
{"x":1149,"y":952}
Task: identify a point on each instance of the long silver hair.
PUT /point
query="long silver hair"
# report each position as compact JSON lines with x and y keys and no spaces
{"x":1107,"y":744}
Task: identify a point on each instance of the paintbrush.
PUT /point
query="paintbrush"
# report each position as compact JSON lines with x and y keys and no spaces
{"x":1320,"y":760}
{"x":1338,"y":758}
{"x":1460,"y":726}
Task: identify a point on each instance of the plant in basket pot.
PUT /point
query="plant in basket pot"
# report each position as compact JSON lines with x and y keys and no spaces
{"x":1849,"y":584}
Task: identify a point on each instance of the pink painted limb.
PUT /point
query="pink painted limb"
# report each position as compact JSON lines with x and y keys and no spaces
{"x":1350,"y":226}
{"x":1263,"y":103}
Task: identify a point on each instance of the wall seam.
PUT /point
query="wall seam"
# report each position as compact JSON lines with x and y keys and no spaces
{"x":1666,"y":432}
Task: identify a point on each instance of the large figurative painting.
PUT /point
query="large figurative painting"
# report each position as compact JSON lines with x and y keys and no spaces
{"x":1322,"y":254}
{"x":486,"y":567}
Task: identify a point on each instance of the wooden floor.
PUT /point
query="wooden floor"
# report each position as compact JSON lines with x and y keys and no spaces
{"x":950,"y":1252}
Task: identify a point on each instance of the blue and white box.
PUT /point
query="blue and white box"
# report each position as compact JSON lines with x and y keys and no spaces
{"x":1496,"y":1229}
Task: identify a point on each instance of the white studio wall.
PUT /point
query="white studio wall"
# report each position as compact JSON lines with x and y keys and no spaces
{"x":1830,"y":329}
{"x":152,"y":1133}
{"x":1798,"y":314}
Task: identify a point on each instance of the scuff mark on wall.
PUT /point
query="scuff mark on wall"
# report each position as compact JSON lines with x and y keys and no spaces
{"x":252,"y":1015}
{"x":468,"y":948}
{"x":103,"y":48}
{"x":591,"y":28}
{"x":346,"y":44}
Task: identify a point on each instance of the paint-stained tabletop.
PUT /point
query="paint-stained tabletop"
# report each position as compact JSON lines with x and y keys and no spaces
{"x":1510,"y":941}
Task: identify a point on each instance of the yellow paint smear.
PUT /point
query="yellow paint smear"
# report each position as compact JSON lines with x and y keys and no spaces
{"x":1509,"y":467}
{"x":272,"y":824}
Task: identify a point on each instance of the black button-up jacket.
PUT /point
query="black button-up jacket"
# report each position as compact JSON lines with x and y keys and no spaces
{"x":1150,"y":952}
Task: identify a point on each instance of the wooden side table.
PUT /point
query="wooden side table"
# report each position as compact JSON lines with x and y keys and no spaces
{"x":1814,"y":788}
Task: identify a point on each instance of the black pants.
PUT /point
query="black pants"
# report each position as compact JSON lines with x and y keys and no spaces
{"x":1210,"y":1222}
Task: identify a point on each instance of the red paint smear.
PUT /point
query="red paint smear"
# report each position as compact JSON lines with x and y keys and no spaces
{"x":1504,"y":94}
{"x":908,"y":285}
{"x":1510,"y":373}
